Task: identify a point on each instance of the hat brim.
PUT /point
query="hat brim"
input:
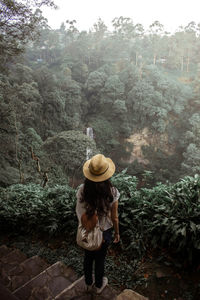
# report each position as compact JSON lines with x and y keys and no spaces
{"x":98,"y":178}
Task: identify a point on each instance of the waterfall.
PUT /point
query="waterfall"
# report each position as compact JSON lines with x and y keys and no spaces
{"x":89,"y":133}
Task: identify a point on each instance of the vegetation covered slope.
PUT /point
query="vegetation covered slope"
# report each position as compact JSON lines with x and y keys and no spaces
{"x":120,"y":83}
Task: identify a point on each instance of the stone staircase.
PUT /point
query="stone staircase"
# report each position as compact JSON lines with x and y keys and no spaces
{"x":23,"y":278}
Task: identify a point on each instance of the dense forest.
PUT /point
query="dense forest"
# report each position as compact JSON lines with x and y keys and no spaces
{"x":138,"y":89}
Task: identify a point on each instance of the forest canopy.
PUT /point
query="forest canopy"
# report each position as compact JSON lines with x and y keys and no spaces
{"x":138,"y":89}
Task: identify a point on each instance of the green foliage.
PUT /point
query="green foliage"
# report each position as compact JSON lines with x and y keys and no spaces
{"x":31,"y":208}
{"x":129,"y":76}
{"x":114,"y":88}
{"x":96,"y":81}
{"x":19,"y":22}
{"x":45,"y":79}
{"x":121,"y":82}
{"x":119,"y":107}
{"x":68,"y":149}
{"x":165,"y":216}
{"x":33,"y":139}
{"x":155,"y":97}
{"x":21,"y":74}
{"x":103,"y":131}
{"x":80,"y":72}
{"x":191,"y":162}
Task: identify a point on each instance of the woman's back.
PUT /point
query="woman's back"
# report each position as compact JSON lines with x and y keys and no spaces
{"x":85,"y":206}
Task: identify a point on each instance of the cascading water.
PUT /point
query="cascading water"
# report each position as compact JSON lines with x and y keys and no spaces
{"x":89,"y":132}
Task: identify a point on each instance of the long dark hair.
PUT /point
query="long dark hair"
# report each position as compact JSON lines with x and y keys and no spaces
{"x":97,"y":197}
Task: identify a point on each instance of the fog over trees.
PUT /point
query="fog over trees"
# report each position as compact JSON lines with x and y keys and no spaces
{"x":138,"y":89}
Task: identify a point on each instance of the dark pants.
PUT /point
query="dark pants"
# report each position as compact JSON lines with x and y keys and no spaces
{"x":97,"y":256}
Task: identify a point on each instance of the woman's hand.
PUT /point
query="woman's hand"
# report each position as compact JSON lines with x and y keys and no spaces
{"x":117,"y":238}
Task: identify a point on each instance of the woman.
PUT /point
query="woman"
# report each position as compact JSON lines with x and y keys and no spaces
{"x":98,"y":194}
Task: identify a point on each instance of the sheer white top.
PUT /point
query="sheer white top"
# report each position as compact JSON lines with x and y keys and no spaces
{"x":105,"y":221}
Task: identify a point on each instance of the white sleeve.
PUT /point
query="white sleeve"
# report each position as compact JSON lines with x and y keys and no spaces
{"x":116,"y":194}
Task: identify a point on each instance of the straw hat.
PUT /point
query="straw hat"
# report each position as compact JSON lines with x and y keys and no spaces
{"x":99,"y":168}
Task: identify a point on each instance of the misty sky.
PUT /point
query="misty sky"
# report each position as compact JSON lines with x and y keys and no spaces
{"x":171,"y":13}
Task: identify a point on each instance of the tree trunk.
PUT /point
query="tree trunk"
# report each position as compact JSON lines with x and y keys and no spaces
{"x":182,"y":64}
{"x":188,"y":61}
{"x":169,"y":52}
{"x":154,"y":59}
{"x":141,"y":69}
{"x":18,"y":156}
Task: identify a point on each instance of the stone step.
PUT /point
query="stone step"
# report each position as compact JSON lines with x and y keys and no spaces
{"x":4,"y":250}
{"x":48,"y":284}
{"x":24,"y":272}
{"x":130,"y":295}
{"x":78,"y":291}
{"x":34,"y":279}
{"x":5,"y":294}
{"x":11,"y":260}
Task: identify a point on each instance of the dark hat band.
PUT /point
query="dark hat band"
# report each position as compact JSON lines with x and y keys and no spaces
{"x":100,"y":173}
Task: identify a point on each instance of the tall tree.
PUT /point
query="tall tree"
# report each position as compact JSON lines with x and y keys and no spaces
{"x":156,"y":30}
{"x":190,"y":32}
{"x":18,"y":21}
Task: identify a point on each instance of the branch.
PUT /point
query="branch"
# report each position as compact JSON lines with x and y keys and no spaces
{"x":44,"y":176}
{"x":19,"y":160}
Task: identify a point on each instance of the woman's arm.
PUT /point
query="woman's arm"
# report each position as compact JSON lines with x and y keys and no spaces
{"x":80,"y":209}
{"x":115,"y":220}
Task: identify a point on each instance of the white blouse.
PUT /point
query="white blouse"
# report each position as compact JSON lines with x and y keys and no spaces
{"x":105,"y":221}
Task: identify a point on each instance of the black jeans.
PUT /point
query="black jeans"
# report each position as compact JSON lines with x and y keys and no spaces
{"x":97,"y":256}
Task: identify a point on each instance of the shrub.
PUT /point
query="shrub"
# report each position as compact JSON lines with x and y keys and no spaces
{"x":28,"y":208}
{"x":165,"y":216}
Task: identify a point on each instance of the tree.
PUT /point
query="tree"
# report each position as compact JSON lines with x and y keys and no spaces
{"x":190,"y":32}
{"x":119,"y":108}
{"x":100,"y":30}
{"x":156,"y":30}
{"x":98,"y":36}
{"x":80,"y":72}
{"x":18,"y":21}
{"x":20,"y":74}
{"x":191,"y":163}
{"x":184,"y":45}
{"x":96,"y":81}
{"x":114,"y":88}
{"x":129,"y":76}
{"x":124,"y":27}
{"x":104,"y":133}
{"x":72,"y":31}
{"x":68,"y":149}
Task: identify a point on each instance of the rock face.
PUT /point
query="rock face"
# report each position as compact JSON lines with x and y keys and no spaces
{"x":146,"y":138}
{"x":130,"y":295}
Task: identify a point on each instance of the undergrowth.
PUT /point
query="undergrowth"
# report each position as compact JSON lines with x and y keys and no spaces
{"x":165,"y":216}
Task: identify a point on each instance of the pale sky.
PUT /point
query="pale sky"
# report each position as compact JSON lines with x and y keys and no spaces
{"x":170,"y":13}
